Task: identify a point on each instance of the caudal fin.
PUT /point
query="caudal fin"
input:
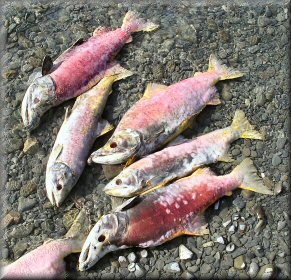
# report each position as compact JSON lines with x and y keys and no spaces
{"x":247,"y":174}
{"x":225,"y":73}
{"x":132,"y":22}
{"x":241,"y":124}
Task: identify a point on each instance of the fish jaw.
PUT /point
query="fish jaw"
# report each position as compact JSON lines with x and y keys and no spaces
{"x":126,"y":184}
{"x":120,"y":147}
{"x":60,"y":180}
{"x":38,"y":98}
{"x":99,"y":241}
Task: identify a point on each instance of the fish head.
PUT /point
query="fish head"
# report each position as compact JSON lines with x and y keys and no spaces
{"x":60,"y":180}
{"x":127,"y":184}
{"x":38,"y":98}
{"x":120,"y":147}
{"x":101,"y":240}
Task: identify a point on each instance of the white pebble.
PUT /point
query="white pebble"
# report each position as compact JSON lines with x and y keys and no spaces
{"x":231,"y":228}
{"x":220,"y":240}
{"x":184,"y":253}
{"x":122,"y":259}
{"x":242,"y":227}
{"x":225,"y":224}
{"x":144,"y":253}
{"x":230,"y":247}
{"x":131,"y":267}
{"x":131,"y":257}
{"x":253,"y":271}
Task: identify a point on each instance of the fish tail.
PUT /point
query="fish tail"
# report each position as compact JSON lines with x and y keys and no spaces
{"x":247,"y":174}
{"x":132,"y":22}
{"x":241,"y":124}
{"x":225,"y":73}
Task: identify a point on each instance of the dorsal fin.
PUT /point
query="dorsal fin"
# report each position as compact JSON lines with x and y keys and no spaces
{"x":153,"y":89}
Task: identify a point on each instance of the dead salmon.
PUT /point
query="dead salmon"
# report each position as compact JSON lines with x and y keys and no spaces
{"x":165,"y":213}
{"x":77,"y":69}
{"x":76,"y":136}
{"x":162,"y":114}
{"x":47,"y":261}
{"x":180,"y":160}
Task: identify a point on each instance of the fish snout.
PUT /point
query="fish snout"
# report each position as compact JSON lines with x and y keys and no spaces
{"x":119,"y":190}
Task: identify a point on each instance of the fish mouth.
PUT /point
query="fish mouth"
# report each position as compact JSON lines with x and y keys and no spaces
{"x":52,"y":198}
{"x":102,"y":157}
{"x":120,"y":191}
{"x":30,"y":117}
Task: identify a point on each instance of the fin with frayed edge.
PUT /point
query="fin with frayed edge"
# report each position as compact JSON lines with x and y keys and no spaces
{"x":152,"y":89}
{"x":132,"y":22}
{"x":101,"y":30}
{"x":246,"y":172}
{"x":241,"y":124}
{"x":224,"y":72}
{"x":103,"y":127}
{"x":215,"y":100}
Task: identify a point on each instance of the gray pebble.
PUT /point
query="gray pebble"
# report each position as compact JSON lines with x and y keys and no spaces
{"x":205,"y":268}
{"x":26,"y":204}
{"x":21,"y":231}
{"x":172,"y":267}
{"x":276,"y":160}
{"x":144,"y":253}
{"x":131,"y":257}
{"x":139,"y":271}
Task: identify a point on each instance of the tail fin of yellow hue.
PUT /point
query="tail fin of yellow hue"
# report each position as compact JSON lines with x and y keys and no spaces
{"x":225,"y":73}
{"x":132,"y":22}
{"x":241,"y":124}
{"x":247,"y":173}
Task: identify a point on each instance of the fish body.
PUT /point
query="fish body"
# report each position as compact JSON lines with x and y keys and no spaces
{"x":165,"y":213}
{"x":180,"y":160}
{"x":162,"y":114}
{"x":78,"y":69}
{"x":77,"y":135}
{"x":47,"y":261}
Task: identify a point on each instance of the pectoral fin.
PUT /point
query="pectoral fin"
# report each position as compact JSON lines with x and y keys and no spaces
{"x":215,"y":100}
{"x":103,"y":127}
{"x":153,"y":89}
{"x":197,"y":227}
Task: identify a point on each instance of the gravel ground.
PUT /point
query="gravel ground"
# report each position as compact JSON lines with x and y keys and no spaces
{"x":252,"y":38}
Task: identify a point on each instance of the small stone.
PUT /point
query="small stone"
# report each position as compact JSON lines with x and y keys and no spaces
{"x":226,"y":93}
{"x":281,"y":143}
{"x":131,"y":257}
{"x":231,"y":228}
{"x":230,"y":247}
{"x":225,"y":224}
{"x":172,"y":267}
{"x":205,"y":268}
{"x":193,"y":268}
{"x":246,"y":152}
{"x":276,"y":160}
{"x":184,"y":253}
{"x":21,"y":231}
{"x":187,"y":275}
{"x":267,"y":271}
{"x":253,"y":270}
{"x":208,"y":244}
{"x":19,"y":249}
{"x":139,"y":271}
{"x":239,"y":262}
{"x":144,"y":253}
{"x":13,"y":185}
{"x":217,"y":256}
{"x":242,"y":227}
{"x":12,"y":217}
{"x":131,"y":267}
{"x":30,"y":146}
{"x":5,"y":253}
{"x":25,"y":204}
{"x":239,"y":203}
{"x":247,"y":194}
{"x":220,"y":240}
{"x":281,"y":225}
{"x":28,"y":189}
{"x":122,"y":261}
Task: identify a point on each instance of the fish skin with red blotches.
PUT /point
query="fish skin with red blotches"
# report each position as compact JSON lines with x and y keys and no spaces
{"x":165,"y":213}
{"x":78,"y":69}
{"x":162,"y":114}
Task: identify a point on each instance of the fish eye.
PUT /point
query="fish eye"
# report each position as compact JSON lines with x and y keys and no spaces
{"x":59,"y":187}
{"x":36,"y":100}
{"x":101,"y":238}
{"x":113,"y":145}
{"x":118,"y":182}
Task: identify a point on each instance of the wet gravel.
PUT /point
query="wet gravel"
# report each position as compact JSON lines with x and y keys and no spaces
{"x":252,"y":38}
